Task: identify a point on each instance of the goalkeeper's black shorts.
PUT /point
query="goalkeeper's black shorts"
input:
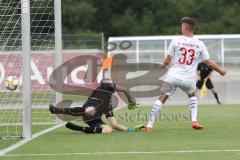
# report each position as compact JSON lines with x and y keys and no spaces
{"x":209,"y":84}
{"x":95,"y":123}
{"x":92,"y":102}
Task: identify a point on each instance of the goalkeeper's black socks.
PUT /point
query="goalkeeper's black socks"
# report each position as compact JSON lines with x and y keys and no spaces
{"x":216,"y":96}
{"x":74,"y":127}
{"x":77,"y":111}
{"x":92,"y":130}
{"x":83,"y":129}
{"x":54,"y":110}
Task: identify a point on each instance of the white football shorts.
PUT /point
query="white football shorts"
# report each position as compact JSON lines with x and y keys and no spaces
{"x":188,"y":86}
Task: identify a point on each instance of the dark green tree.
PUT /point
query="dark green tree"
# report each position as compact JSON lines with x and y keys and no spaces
{"x":149,"y":17}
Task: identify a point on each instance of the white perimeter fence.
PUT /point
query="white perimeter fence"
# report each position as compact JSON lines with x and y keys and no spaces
{"x":224,"y":49}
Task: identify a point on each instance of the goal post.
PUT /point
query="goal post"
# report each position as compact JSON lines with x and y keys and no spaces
{"x":31,"y":48}
{"x":26,"y":60}
{"x":58,"y":45}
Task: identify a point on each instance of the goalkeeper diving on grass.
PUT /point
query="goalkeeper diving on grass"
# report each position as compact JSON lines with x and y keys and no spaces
{"x":99,"y":103}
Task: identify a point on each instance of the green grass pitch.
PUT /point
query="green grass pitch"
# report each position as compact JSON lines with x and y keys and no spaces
{"x":171,"y":133}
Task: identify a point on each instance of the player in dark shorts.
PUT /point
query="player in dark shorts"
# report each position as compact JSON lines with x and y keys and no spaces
{"x":99,"y":103}
{"x":204,"y":74}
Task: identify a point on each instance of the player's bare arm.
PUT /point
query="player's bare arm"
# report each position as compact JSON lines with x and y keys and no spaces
{"x":119,"y":127}
{"x":126,"y":91}
{"x":167,"y":60}
{"x":115,"y":125}
{"x":211,"y":64}
{"x":132,"y":104}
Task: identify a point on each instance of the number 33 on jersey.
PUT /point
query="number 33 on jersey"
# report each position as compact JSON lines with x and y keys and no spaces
{"x":186,"y":53}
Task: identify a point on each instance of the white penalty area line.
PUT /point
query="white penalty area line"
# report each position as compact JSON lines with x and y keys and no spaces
{"x":26,"y":140}
{"x":118,"y":153}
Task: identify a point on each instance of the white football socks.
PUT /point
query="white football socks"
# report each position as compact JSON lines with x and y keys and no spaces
{"x":157,"y":106}
{"x":192,"y":103}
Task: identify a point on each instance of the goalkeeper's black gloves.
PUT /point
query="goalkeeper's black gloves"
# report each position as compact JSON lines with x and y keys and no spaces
{"x":137,"y":128}
{"x":132,"y":104}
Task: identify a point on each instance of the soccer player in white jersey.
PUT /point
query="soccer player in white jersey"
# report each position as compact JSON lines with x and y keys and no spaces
{"x":184,"y":54}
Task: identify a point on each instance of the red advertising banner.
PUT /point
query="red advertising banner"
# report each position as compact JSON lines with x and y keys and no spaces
{"x":43,"y":64}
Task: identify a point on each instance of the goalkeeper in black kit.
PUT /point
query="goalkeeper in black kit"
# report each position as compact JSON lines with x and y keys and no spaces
{"x":204,"y":74}
{"x":99,"y":103}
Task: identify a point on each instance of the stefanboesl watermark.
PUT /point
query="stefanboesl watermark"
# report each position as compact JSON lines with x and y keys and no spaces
{"x":119,"y":69}
{"x":141,"y":116}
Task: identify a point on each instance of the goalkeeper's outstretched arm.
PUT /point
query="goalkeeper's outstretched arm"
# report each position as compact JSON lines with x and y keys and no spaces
{"x":126,"y":91}
{"x":119,"y":127}
{"x":132,"y":101}
{"x":115,"y":125}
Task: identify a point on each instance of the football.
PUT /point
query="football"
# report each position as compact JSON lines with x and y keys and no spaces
{"x":11,"y":83}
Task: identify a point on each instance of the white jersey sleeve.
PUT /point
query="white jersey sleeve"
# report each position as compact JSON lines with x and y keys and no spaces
{"x":204,"y":54}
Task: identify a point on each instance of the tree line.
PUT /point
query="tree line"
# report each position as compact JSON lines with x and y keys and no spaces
{"x":149,"y":17}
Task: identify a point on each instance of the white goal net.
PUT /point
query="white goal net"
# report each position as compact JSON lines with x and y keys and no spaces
{"x":43,"y":59}
{"x":42,"y":63}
